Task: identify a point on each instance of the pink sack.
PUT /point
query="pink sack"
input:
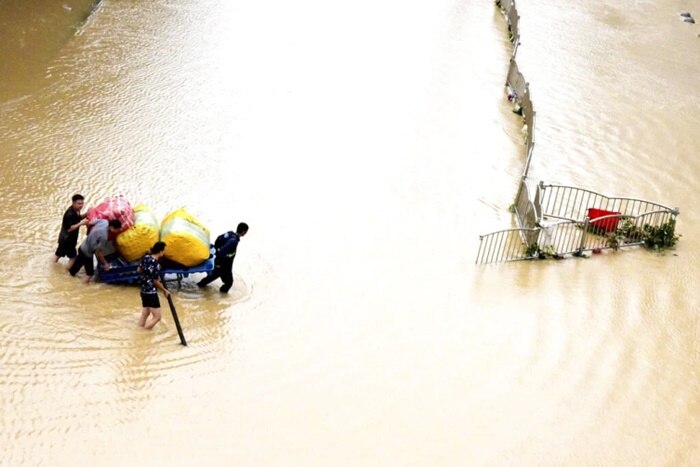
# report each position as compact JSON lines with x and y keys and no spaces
{"x":116,"y":207}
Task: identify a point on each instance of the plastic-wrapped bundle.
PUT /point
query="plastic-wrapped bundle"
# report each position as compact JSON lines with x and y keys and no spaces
{"x":116,"y":207}
{"x":136,"y":241}
{"x":186,"y":239}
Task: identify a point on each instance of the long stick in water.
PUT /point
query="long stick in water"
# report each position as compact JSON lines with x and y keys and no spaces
{"x":177,"y":321}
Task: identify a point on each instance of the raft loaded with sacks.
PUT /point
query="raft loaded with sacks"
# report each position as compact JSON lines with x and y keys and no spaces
{"x":187,"y":245}
{"x":124,"y":272}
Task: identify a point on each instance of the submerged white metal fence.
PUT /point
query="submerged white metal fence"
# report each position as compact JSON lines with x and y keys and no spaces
{"x":568,"y":202}
{"x":564,"y":220}
{"x":524,"y":209}
{"x":519,"y":93}
{"x":559,"y":236}
{"x":572,"y":237}
{"x":512,"y":19}
{"x":506,"y":245}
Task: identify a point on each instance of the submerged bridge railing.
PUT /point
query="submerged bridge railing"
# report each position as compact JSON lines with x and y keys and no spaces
{"x":524,"y":209}
{"x":573,"y":237}
{"x":560,"y":236}
{"x":510,"y":12}
{"x":518,"y":87}
{"x":568,"y":202}
{"x":506,"y":245}
{"x":564,"y":220}
{"x":519,"y":93}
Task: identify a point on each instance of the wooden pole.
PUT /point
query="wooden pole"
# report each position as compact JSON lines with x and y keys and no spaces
{"x":177,"y":321}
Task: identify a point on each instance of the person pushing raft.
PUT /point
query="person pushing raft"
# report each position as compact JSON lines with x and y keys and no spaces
{"x":226,"y":245}
{"x":70,"y":227}
{"x":94,"y":245}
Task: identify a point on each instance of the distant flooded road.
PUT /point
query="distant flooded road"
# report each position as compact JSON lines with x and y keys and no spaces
{"x":367,"y":145}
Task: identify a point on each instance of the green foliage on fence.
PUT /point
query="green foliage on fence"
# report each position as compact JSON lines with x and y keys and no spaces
{"x":533,"y":250}
{"x":653,"y":237}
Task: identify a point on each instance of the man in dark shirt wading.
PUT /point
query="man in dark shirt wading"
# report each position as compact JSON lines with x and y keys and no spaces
{"x":70,"y":227}
{"x":226,"y":246}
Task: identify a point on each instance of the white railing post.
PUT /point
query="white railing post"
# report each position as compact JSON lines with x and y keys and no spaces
{"x":586,"y":222}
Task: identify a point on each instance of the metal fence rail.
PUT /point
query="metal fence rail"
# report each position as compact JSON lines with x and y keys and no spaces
{"x":516,"y":81}
{"x":630,"y":231}
{"x":557,"y":220}
{"x":519,"y":91}
{"x":519,"y":88}
{"x":506,"y":245}
{"x":524,"y":209}
{"x":568,"y":237}
{"x":561,"y":238}
{"x":512,"y":19}
{"x":567,"y":202}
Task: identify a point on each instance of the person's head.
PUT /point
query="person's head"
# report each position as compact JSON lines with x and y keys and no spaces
{"x":78,"y":202}
{"x":242,"y":229}
{"x":158,"y":249}
{"x":115,"y":225}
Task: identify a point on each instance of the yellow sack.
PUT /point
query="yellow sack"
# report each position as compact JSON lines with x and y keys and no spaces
{"x":137,"y":240}
{"x":186,"y":240}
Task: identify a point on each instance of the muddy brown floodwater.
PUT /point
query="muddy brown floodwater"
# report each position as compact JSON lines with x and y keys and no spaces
{"x":367,"y":144}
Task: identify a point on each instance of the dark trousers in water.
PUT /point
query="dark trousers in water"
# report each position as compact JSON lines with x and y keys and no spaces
{"x":222,"y":269}
{"x":80,"y":261}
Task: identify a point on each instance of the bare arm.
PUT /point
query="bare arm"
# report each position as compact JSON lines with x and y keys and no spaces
{"x":101,"y":258}
{"x":160,"y":286}
{"x":78,"y":225}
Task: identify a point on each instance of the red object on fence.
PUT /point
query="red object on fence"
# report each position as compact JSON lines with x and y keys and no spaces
{"x":113,"y":208}
{"x":606,"y":225}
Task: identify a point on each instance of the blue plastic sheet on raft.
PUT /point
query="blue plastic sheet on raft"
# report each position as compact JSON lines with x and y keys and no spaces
{"x":124,"y":272}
